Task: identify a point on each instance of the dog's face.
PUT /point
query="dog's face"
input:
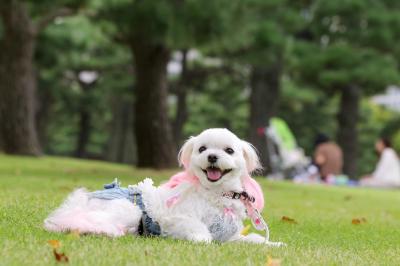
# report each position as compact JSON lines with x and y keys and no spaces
{"x":219,"y":159}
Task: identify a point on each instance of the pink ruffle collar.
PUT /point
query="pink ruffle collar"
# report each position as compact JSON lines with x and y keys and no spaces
{"x":250,"y":186}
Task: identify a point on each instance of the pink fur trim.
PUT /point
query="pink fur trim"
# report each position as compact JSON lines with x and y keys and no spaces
{"x":250,"y":186}
{"x":179,"y":178}
{"x":253,"y":188}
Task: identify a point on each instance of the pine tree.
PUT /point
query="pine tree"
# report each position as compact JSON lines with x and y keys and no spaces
{"x":152,"y":29}
{"x":350,"y":51}
{"x":21,"y":23}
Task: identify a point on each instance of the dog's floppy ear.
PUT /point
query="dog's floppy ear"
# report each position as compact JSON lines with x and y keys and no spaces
{"x":186,"y":152}
{"x":251,"y":157}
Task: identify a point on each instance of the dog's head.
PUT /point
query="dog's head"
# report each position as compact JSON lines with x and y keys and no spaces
{"x":219,"y":159}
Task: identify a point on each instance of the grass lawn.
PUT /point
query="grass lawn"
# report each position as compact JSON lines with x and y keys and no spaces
{"x":324,"y":233}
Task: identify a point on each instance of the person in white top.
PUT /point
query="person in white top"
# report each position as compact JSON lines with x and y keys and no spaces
{"x":387,"y":171}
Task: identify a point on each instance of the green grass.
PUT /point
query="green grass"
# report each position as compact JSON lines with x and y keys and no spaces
{"x":324,"y":234}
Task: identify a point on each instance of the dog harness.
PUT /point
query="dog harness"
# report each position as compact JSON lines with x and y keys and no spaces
{"x":236,"y":195}
{"x":147,"y":226}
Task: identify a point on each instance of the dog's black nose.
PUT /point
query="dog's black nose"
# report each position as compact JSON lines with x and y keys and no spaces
{"x":212,"y":158}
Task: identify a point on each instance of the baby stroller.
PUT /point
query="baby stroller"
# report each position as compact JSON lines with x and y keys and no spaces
{"x":286,"y":157}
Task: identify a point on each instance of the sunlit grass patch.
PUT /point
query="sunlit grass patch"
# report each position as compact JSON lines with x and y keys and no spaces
{"x":322,"y":235}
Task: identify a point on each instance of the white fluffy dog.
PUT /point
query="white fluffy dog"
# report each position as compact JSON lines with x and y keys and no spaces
{"x":207,"y":201}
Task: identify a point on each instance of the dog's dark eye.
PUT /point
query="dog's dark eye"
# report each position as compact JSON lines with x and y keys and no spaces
{"x":202,"y":148}
{"x":229,"y":151}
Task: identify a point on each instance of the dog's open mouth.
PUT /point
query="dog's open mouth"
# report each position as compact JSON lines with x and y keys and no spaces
{"x":214,"y":173}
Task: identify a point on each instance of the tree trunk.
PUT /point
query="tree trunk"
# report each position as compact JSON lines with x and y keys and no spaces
{"x":85,"y":120}
{"x":153,"y":132}
{"x":347,"y":136}
{"x":83,"y":133}
{"x":265,"y":86}
{"x":17,"y":81}
{"x":121,"y":145}
{"x":181,"y":110}
{"x":43,"y":114}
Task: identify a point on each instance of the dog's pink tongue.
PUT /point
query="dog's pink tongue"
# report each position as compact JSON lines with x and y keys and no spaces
{"x":214,"y":174}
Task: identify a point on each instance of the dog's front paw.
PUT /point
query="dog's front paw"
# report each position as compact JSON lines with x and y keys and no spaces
{"x":200,"y":238}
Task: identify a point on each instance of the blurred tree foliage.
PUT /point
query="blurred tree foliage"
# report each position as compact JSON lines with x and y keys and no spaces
{"x":267,"y":34}
{"x":104,"y":92}
{"x":21,"y":23}
{"x":339,"y":57}
{"x":152,"y":29}
{"x":220,"y":100}
{"x":86,"y":49}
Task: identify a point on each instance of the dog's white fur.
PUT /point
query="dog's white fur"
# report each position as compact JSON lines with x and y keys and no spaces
{"x":192,"y":214}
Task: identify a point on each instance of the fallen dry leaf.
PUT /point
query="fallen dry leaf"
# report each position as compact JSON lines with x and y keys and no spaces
{"x":357,"y":221}
{"x":245,"y":230}
{"x":273,"y":262}
{"x":54,"y":243}
{"x":60,"y":257}
{"x":348,"y":197}
{"x":288,"y":220}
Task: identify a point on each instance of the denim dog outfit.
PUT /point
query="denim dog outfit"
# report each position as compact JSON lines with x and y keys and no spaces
{"x":112,"y":191}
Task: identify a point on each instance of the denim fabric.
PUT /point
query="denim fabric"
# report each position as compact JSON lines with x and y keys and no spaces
{"x":134,"y":195}
{"x":114,"y":191}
